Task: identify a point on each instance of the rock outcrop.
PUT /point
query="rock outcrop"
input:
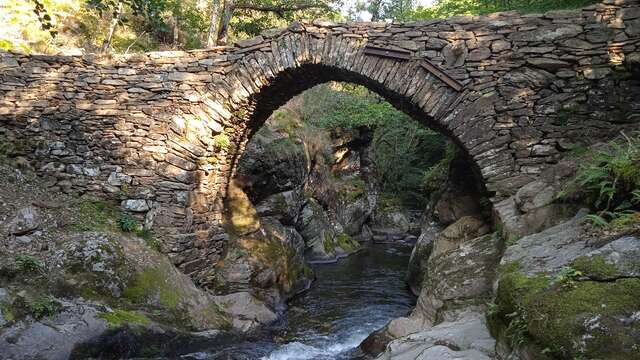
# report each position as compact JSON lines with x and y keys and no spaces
{"x":317,"y":184}
{"x":81,"y":279}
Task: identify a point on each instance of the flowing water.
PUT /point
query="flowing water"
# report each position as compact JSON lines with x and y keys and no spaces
{"x":350,"y":299}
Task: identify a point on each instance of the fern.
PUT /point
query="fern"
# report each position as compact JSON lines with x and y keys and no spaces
{"x":597,"y":220}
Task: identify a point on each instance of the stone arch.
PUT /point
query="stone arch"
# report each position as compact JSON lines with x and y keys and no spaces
{"x":298,"y":61}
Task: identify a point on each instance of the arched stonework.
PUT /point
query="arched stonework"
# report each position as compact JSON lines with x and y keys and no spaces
{"x":147,"y":128}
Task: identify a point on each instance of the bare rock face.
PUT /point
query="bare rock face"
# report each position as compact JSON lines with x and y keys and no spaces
{"x":536,"y":205}
{"x":540,"y":252}
{"x":459,"y":271}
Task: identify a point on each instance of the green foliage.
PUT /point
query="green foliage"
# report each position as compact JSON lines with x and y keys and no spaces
{"x":44,"y":306}
{"x":447,"y":8}
{"x":221,"y":141}
{"x":346,"y":242}
{"x":516,"y":331}
{"x":566,"y":275}
{"x":127,"y":223}
{"x":402,"y":147}
{"x":151,"y":241}
{"x":28,"y":264}
{"x":609,"y":181}
{"x":328,"y":244}
{"x":436,"y":176}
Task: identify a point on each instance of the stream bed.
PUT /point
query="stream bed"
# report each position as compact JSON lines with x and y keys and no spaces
{"x":349,"y":300}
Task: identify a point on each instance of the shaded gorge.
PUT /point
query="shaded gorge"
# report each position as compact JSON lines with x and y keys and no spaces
{"x":349,"y":300}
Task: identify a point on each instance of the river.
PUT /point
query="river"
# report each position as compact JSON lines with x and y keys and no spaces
{"x":349,"y":300}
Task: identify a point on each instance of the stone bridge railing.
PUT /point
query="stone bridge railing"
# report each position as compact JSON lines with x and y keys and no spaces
{"x":162,"y":131}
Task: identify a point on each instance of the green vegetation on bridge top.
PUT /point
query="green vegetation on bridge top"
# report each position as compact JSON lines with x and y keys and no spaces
{"x":125,"y":26}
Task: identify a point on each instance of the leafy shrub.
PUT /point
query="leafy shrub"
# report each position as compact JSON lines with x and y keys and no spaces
{"x":436,"y":176}
{"x":127,"y":223}
{"x":149,"y":239}
{"x":28,"y":263}
{"x":44,"y":306}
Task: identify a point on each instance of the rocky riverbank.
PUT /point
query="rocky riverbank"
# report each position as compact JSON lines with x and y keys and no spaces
{"x":535,"y":280}
{"x":80,"y":278}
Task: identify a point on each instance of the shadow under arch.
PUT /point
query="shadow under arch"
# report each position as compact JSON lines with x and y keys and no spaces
{"x":294,"y":81}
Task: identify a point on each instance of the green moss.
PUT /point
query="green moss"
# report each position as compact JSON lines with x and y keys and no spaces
{"x":558,"y":317}
{"x":7,"y":311}
{"x":516,"y":289}
{"x":328,"y":244}
{"x":595,"y":267}
{"x":119,"y":317}
{"x":551,"y":315}
{"x":95,"y":215}
{"x":152,"y":285}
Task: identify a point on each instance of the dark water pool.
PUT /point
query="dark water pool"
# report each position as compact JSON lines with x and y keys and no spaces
{"x":350,"y":299}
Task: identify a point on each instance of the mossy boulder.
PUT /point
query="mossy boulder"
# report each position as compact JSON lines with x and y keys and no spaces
{"x":567,"y":317}
{"x":619,"y":258}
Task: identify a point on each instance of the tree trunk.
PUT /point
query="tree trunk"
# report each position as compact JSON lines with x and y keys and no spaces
{"x":176,"y":32}
{"x":112,"y":27}
{"x":227,"y":14}
{"x":214,"y":21}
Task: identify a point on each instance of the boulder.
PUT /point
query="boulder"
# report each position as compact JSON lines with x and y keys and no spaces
{"x":25,"y":221}
{"x":617,"y":259}
{"x":419,"y":257}
{"x":53,"y":337}
{"x":466,"y":337}
{"x":319,"y":235}
{"x":248,"y":313}
{"x":550,"y":250}
{"x":286,"y":206}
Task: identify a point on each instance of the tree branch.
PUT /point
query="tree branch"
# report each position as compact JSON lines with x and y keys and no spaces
{"x":280,"y":10}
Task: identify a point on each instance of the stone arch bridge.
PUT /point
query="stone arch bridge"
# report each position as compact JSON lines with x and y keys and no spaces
{"x":513,"y":91}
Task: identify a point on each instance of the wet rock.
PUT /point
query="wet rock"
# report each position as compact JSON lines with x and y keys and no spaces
{"x":248,"y":312}
{"x":25,"y":221}
{"x":317,"y":232}
{"x":420,"y":256}
{"x":466,"y":337}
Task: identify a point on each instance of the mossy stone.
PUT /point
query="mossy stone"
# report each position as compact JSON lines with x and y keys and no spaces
{"x":119,"y":317}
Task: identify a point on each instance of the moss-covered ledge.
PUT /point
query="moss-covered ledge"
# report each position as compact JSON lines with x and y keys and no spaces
{"x":567,"y":316}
